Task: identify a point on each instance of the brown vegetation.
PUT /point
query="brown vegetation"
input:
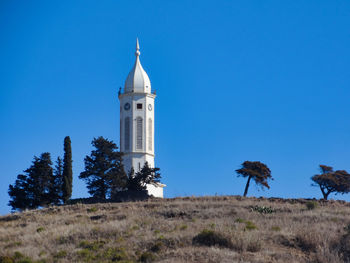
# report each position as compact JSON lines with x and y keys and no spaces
{"x":204,"y":229}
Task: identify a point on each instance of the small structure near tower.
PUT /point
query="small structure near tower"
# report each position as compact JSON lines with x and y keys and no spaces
{"x":137,"y":122}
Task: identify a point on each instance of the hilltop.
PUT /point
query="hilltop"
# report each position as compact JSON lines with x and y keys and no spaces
{"x":190,"y":229}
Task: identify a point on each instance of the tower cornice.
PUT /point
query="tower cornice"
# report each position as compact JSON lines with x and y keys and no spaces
{"x":149,"y":95}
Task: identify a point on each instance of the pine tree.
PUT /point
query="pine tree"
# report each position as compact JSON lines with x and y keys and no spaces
{"x":55,"y":184}
{"x":33,"y":188}
{"x":139,"y":180}
{"x":104,"y":171}
{"x":257,"y":171}
{"x":19,"y":194}
{"x":330,"y":181}
{"x":39,"y":177}
{"x":67,"y":170}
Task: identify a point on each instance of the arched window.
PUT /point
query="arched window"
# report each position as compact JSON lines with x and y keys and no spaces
{"x":150,"y":130}
{"x":127,"y":134}
{"x":139,"y":133}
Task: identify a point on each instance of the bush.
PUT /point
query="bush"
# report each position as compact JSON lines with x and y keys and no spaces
{"x":249,"y":225}
{"x":147,"y":257}
{"x":95,"y":245}
{"x":347,"y":228}
{"x":276,"y":228}
{"x":183,"y":227}
{"x":263,"y":209}
{"x":60,"y":254}
{"x":308,"y":242}
{"x":240,"y":220}
{"x":254,"y":246}
{"x":91,"y":210}
{"x":116,"y":254}
{"x":311,"y":205}
{"x":18,"y":255}
{"x":212,"y":238}
{"x":6,"y":259}
{"x":40,"y":229}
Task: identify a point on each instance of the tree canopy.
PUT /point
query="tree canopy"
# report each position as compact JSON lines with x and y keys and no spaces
{"x":257,"y":171}
{"x":67,"y":171}
{"x":139,"y":180}
{"x":104,"y":171}
{"x":331,"y":181}
{"x":36,"y":187}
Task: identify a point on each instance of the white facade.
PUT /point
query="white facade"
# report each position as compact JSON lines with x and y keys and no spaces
{"x":137,"y":122}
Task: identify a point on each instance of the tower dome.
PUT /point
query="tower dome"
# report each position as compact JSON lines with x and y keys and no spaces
{"x":137,"y":80}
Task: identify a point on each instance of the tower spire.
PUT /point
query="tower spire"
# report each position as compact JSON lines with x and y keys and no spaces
{"x":137,"y":53}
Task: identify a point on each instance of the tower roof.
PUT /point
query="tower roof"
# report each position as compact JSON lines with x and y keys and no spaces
{"x":137,"y":80}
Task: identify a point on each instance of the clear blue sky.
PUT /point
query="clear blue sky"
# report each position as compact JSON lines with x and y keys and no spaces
{"x":235,"y":80}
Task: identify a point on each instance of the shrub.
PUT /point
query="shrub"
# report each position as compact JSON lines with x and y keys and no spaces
{"x":347,"y":229}
{"x":6,"y":259}
{"x":60,"y":254}
{"x":116,"y":254}
{"x":311,"y":205}
{"x":240,"y":220}
{"x":92,"y":209}
{"x":249,"y":225}
{"x":308,"y":241}
{"x":183,"y":227}
{"x":254,"y":246}
{"x":212,"y":238}
{"x":86,"y":254}
{"x":18,"y":255}
{"x":276,"y":228}
{"x":263,"y":209}
{"x":96,"y":245}
{"x":40,"y":229}
{"x":147,"y":257}
{"x":157,"y":246}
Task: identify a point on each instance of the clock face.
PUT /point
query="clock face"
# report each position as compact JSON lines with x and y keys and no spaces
{"x":127,"y":106}
{"x":149,"y":106}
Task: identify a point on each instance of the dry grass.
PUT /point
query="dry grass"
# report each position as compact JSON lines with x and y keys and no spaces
{"x":205,"y":229}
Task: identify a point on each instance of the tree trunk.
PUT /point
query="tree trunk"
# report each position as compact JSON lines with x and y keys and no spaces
{"x":325,"y":195}
{"x":247,"y":186}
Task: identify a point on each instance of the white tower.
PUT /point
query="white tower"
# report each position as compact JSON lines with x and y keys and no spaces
{"x":137,"y":122}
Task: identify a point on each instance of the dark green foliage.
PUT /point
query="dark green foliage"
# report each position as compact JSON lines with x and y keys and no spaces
{"x":18,"y":193}
{"x":331,"y":181}
{"x":147,"y":257}
{"x":249,"y":225}
{"x":263,"y":209}
{"x":104,"y":171}
{"x":56,"y":183}
{"x":67,"y":170}
{"x":311,"y":205}
{"x":147,"y":175}
{"x":257,"y":171}
{"x":212,"y":238}
{"x":36,"y":187}
{"x":6,"y":259}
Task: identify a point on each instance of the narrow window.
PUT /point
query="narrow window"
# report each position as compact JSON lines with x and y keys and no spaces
{"x":139,"y":106}
{"x":127,"y":134}
{"x":139,"y":133}
{"x":139,"y":167}
{"x":150,"y":129}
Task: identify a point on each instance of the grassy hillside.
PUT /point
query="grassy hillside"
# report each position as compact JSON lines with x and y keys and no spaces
{"x":205,"y":229}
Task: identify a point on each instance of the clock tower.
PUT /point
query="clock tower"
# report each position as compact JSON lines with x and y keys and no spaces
{"x":137,"y":122}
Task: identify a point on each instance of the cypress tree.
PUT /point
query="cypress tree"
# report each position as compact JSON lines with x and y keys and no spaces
{"x":67,"y":171}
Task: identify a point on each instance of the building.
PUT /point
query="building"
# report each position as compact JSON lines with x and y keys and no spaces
{"x":137,"y":122}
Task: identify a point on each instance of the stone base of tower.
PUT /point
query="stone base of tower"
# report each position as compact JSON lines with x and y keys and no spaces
{"x":155,"y":190}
